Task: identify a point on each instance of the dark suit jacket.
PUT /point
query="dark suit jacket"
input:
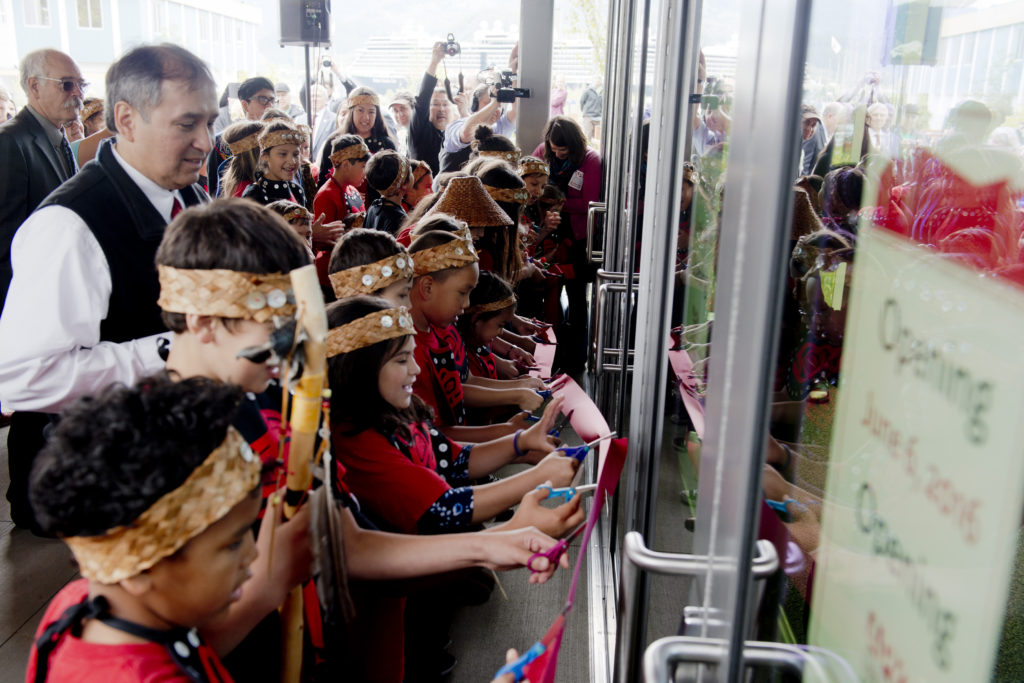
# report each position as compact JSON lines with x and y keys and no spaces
{"x":30,"y":169}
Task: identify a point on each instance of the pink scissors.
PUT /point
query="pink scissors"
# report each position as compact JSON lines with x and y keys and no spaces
{"x":555,"y":552}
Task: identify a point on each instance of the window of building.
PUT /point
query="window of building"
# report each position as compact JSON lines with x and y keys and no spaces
{"x":159,"y":15}
{"x":37,"y":12}
{"x":90,"y":14}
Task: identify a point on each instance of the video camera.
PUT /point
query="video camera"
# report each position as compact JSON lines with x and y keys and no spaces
{"x":504,"y":84}
{"x":451,"y":48}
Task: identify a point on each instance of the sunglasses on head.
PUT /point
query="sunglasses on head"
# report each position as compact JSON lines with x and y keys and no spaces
{"x":68,"y":84}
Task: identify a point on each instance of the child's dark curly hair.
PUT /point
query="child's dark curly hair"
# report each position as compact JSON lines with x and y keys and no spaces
{"x":360,"y":247}
{"x":116,"y":453}
{"x":355,"y":398}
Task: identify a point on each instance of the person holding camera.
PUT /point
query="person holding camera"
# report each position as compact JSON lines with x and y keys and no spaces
{"x":431,"y":115}
{"x":485,"y":109}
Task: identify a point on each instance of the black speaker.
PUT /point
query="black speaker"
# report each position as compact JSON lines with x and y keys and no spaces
{"x":306,"y":22}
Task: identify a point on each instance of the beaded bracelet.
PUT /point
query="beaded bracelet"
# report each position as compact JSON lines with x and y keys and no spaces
{"x":515,"y":443}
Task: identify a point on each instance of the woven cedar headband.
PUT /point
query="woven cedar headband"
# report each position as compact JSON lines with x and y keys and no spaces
{"x":356,"y":151}
{"x":225,"y":293}
{"x":245,"y":144}
{"x":455,"y":254}
{"x":91,"y":109}
{"x":493,"y":306}
{"x":281,"y":137}
{"x":418,"y":171}
{"x":356,"y":100}
{"x":366,"y":331}
{"x":511,"y":157}
{"x":222,"y":481}
{"x":296,"y":213}
{"x":533,"y":168}
{"x":517,"y":195}
{"x":373,"y":276}
{"x":401,"y":178}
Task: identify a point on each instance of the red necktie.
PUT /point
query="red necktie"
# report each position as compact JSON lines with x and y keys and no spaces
{"x":176,"y":208}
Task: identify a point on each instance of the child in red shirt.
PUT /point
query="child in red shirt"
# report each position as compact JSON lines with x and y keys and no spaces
{"x":338,"y":198}
{"x":402,"y":469}
{"x":446,"y":272}
{"x":126,"y":481}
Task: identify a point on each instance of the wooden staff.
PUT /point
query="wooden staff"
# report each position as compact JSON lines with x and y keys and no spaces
{"x":311,"y":332}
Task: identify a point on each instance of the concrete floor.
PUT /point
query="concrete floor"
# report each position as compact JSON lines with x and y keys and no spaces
{"x":32,"y":570}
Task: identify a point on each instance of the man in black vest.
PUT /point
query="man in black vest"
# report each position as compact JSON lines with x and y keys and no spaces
{"x":81,"y":312}
{"x":35,"y":153}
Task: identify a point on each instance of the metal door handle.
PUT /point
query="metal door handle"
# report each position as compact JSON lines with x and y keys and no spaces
{"x":637,"y":557}
{"x":664,"y":654}
{"x":594,"y":209}
{"x":608,"y":281}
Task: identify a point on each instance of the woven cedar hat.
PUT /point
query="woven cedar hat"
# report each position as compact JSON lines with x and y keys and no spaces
{"x":466,"y":199}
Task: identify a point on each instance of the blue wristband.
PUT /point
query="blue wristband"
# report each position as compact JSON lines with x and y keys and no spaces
{"x":515,"y":443}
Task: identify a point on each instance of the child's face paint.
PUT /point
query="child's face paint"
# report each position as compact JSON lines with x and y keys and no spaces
{"x":484,"y":331}
{"x":397,"y":293}
{"x":397,"y":375}
{"x":202,"y":579}
{"x":450,"y":297}
{"x":225,"y":364}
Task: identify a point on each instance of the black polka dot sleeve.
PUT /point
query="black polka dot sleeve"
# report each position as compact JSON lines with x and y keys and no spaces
{"x":453,"y":511}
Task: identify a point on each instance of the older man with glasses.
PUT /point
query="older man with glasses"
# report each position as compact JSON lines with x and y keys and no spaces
{"x":35,"y":153}
{"x":81,"y":311}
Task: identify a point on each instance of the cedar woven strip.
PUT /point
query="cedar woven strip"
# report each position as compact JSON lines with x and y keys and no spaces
{"x":225,"y":293}
{"x":223,"y":480}
{"x":372,"y":328}
{"x":373,"y":276}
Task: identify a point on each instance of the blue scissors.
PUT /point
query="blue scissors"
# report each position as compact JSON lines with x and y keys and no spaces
{"x":567,"y":492}
{"x":517,"y":667}
{"x":580,"y":452}
{"x":544,"y":393}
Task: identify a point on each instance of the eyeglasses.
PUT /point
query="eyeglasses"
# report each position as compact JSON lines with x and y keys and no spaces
{"x":68,"y":84}
{"x":266,"y":101}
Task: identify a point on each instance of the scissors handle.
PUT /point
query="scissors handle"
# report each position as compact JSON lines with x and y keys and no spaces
{"x":578,"y":452}
{"x":552,"y":555}
{"x":532,"y":418}
{"x":566,"y":492}
{"x":517,"y":668}
{"x":543,"y":393}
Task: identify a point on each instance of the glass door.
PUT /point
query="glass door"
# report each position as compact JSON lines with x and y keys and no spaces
{"x":841,"y":380}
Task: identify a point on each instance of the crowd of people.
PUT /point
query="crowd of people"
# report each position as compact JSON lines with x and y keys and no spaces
{"x":147,"y":279}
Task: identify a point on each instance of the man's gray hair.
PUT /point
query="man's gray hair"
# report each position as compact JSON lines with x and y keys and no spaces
{"x":137,"y":77}
{"x":33,"y":65}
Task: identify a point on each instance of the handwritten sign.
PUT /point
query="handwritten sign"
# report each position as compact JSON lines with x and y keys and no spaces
{"x":924,"y":491}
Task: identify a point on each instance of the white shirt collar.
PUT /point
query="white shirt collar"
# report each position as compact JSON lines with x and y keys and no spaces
{"x":161,"y":199}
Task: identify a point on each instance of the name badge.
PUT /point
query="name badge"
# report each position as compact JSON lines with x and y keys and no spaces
{"x":576,"y":182}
